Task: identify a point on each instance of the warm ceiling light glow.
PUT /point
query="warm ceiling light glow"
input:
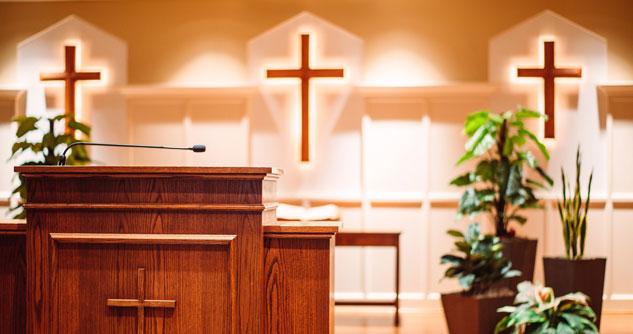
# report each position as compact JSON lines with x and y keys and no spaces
{"x":401,"y":62}
{"x":401,"y":68}
{"x":210,"y":70}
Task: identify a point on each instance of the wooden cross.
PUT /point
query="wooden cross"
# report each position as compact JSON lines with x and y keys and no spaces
{"x":141,"y":303}
{"x":70,"y":76}
{"x":549,"y":73}
{"x":305,"y":73}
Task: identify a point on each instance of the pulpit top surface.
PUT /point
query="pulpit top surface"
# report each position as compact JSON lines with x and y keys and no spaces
{"x":147,"y":170}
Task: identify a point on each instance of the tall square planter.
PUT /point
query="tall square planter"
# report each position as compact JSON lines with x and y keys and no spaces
{"x":522,"y":253}
{"x":584,"y":275}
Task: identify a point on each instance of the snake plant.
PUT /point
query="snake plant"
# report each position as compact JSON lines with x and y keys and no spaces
{"x":572,"y":214}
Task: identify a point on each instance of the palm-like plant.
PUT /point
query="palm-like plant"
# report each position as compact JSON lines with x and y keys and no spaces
{"x":572,"y":215}
{"x":45,"y":150}
{"x":499,"y":185}
{"x":537,"y":311}
{"x":482,"y":263}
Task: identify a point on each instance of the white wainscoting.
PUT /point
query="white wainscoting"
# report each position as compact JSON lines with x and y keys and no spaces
{"x":217,"y":117}
{"x":419,"y":201}
{"x":409,"y":140}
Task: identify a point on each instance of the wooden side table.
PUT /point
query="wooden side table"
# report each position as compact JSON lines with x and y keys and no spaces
{"x":374,"y":239}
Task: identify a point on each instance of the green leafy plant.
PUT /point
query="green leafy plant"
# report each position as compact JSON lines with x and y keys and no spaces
{"x":44,"y":150}
{"x":481,"y":264}
{"x":537,"y":310}
{"x":499,"y":185}
{"x":572,"y":215}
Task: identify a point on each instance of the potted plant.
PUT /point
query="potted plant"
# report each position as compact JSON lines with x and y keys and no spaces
{"x":44,"y":150}
{"x":538,"y":311}
{"x":574,"y":272}
{"x":505,"y":178}
{"x":478,"y":269}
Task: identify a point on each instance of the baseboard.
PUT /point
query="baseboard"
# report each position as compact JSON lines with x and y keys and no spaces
{"x":411,"y":302}
{"x":408,"y":300}
{"x":618,"y":304}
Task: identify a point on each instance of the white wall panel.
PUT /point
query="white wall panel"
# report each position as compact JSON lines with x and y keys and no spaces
{"x":349,"y":278}
{"x":623,"y":159}
{"x":381,"y":261}
{"x":223,"y":127}
{"x":158,"y":123}
{"x":395,"y":147}
{"x":7,"y":136}
{"x":447,"y":139}
{"x":622,"y":275}
{"x":439,"y":243}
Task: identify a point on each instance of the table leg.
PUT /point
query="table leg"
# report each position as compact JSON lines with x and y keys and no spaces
{"x":397,"y":301}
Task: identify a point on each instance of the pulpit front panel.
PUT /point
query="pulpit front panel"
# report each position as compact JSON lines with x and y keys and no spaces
{"x":142,"y":283}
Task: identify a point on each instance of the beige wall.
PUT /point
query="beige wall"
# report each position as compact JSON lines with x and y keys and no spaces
{"x":452,"y":35}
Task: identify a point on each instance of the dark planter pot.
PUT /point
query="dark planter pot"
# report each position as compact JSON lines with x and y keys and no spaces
{"x":474,"y":314}
{"x":522,"y":253}
{"x":585,"y":275}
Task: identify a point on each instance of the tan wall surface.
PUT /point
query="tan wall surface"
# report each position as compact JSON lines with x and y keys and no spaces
{"x":451,"y":34}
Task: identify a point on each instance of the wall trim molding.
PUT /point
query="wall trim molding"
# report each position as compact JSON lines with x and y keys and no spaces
{"x":12,"y":103}
{"x":474,"y":89}
{"x":435,"y":200}
{"x":204,"y":93}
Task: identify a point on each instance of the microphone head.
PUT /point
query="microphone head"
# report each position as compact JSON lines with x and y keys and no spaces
{"x":198,"y":148}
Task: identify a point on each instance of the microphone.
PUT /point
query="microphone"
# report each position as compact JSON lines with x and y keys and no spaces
{"x":198,"y":148}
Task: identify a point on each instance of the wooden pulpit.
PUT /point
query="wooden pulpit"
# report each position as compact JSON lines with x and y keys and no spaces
{"x":170,"y":250}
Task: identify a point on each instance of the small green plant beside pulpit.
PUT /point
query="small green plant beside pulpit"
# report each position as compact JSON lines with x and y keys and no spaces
{"x":40,"y":140}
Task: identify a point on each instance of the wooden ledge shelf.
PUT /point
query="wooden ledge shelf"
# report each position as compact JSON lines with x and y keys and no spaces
{"x":233,"y":172}
{"x":12,"y":227}
{"x":300,"y":227}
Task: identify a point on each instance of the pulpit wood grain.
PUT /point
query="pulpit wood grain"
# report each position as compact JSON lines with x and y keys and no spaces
{"x":299,"y":283}
{"x":12,"y":277}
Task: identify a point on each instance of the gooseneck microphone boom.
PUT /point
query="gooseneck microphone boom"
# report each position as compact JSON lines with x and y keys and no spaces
{"x":195,"y":148}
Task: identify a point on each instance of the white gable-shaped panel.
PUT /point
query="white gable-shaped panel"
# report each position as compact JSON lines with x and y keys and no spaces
{"x":576,"y":109}
{"x":333,"y":170}
{"x":97,"y":102}
{"x":99,"y":50}
{"x":279,"y":47}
